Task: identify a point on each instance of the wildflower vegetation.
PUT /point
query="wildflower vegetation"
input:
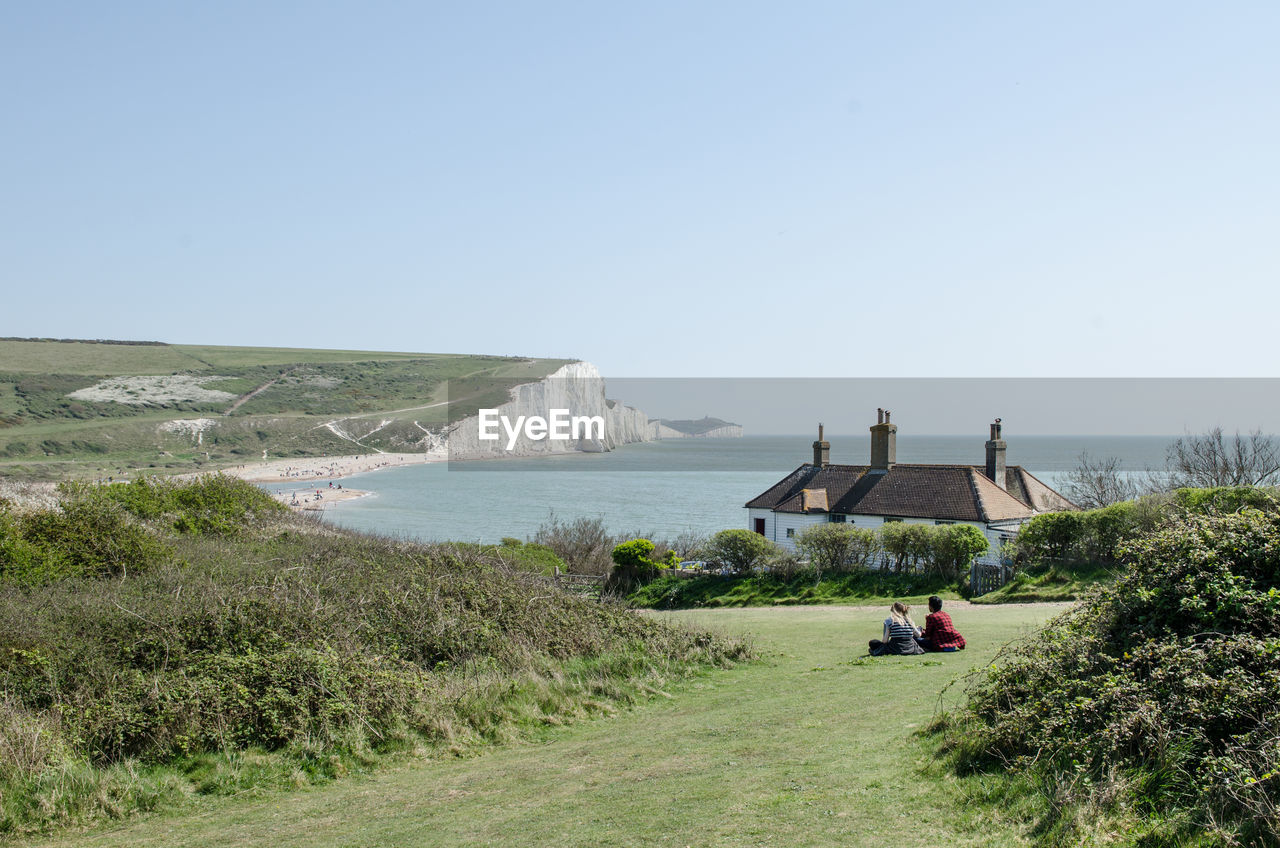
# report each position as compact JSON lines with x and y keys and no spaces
{"x":160,"y":641}
{"x":1150,"y":708}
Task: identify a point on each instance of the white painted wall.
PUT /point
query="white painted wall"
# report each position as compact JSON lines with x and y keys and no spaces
{"x":796,"y":522}
{"x":767,"y":515}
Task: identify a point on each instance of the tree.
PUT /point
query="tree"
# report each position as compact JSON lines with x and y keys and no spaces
{"x":832,"y":547}
{"x":1212,"y":459}
{"x":740,"y":550}
{"x":1098,"y":483}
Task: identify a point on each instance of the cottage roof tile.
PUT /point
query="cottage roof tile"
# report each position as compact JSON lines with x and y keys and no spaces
{"x":944,"y":492}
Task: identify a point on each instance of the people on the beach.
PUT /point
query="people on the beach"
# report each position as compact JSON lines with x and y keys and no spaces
{"x":939,"y":633}
{"x":899,"y":636}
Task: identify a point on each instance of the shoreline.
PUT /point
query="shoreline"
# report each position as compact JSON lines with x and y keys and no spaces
{"x":319,"y":497}
{"x":306,"y":468}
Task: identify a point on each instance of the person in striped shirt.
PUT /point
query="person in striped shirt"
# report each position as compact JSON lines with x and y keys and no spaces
{"x":899,"y":636}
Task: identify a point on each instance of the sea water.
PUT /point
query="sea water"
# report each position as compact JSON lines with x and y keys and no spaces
{"x":660,"y":489}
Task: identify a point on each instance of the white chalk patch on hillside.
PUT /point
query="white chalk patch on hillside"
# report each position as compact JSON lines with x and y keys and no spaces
{"x":144,"y":391}
{"x":192,"y":427}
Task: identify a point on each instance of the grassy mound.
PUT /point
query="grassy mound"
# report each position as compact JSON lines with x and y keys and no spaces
{"x":1050,"y":582}
{"x":210,"y":504}
{"x":677,"y":592}
{"x":282,"y":654}
{"x":1154,"y":706}
{"x":108,"y":531}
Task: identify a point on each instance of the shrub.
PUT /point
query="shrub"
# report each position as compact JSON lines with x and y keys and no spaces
{"x":210,"y":504}
{"x":82,"y":538}
{"x":785,"y":583}
{"x":1226,"y":499}
{"x":953,"y":548}
{"x":741,"y":550}
{"x":584,"y":544}
{"x":836,"y":547}
{"x":632,"y":566}
{"x":307,"y":646}
{"x":1166,"y":684}
{"x":1104,"y":530}
{"x":1052,"y":535}
{"x":512,"y":554}
{"x":910,"y":545}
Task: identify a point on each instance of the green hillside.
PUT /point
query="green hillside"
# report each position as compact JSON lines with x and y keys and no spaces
{"x":90,"y":408}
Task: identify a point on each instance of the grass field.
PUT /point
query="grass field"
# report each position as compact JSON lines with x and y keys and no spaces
{"x":811,"y":746}
{"x":117,"y":359}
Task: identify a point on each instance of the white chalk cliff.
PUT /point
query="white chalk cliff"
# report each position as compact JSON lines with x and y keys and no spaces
{"x":576,"y":387}
{"x":728,"y":431}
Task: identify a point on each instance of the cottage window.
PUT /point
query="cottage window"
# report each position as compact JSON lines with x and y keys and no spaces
{"x":893,"y":521}
{"x":791,"y":532}
{"x":837,"y":519}
{"x":940,"y":521}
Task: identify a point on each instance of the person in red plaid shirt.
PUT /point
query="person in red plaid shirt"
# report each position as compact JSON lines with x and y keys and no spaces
{"x":939,"y":633}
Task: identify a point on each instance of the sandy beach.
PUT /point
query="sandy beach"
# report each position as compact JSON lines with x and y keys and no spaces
{"x":318,"y":498}
{"x":314,"y":470}
{"x":303,"y":469}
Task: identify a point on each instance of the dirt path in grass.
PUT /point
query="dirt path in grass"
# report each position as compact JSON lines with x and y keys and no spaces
{"x":243,"y":399}
{"x":811,"y":746}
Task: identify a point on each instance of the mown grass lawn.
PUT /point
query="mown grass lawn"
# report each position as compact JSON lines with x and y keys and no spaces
{"x":810,"y":746}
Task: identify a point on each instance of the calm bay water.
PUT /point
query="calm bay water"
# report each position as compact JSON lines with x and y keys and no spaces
{"x":660,"y":488}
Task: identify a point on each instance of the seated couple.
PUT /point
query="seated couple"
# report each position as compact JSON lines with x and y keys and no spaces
{"x":901,"y":636}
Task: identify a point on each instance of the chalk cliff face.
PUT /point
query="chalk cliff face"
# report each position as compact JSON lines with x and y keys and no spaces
{"x":578,"y":388}
{"x":728,"y":431}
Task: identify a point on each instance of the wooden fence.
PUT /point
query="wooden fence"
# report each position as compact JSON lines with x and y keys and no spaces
{"x":984,"y":577}
{"x":587,"y":585}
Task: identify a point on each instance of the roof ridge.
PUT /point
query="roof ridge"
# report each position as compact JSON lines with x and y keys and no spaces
{"x":993,"y":484}
{"x":978,"y":505}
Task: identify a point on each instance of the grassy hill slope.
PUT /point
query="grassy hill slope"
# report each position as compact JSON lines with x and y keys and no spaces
{"x":87,"y":408}
{"x":163,"y":642}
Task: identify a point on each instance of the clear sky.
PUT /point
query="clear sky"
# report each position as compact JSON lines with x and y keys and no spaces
{"x":668,"y":189}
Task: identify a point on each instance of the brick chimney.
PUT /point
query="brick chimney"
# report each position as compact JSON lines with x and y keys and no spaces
{"x":995,"y":456}
{"x":821,"y":451}
{"x":884,"y":443}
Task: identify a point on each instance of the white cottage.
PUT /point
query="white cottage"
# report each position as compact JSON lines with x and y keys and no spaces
{"x":995,"y":498}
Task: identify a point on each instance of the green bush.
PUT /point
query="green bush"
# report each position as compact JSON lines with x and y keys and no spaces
{"x":1054,"y":535}
{"x":837,"y":548}
{"x":1097,"y":536}
{"x":515,"y":555}
{"x":634,"y":566}
{"x":85,"y":537}
{"x":1161,"y":692}
{"x":741,"y":550}
{"x":210,"y":504}
{"x":1226,"y":499}
{"x":953,"y":548}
